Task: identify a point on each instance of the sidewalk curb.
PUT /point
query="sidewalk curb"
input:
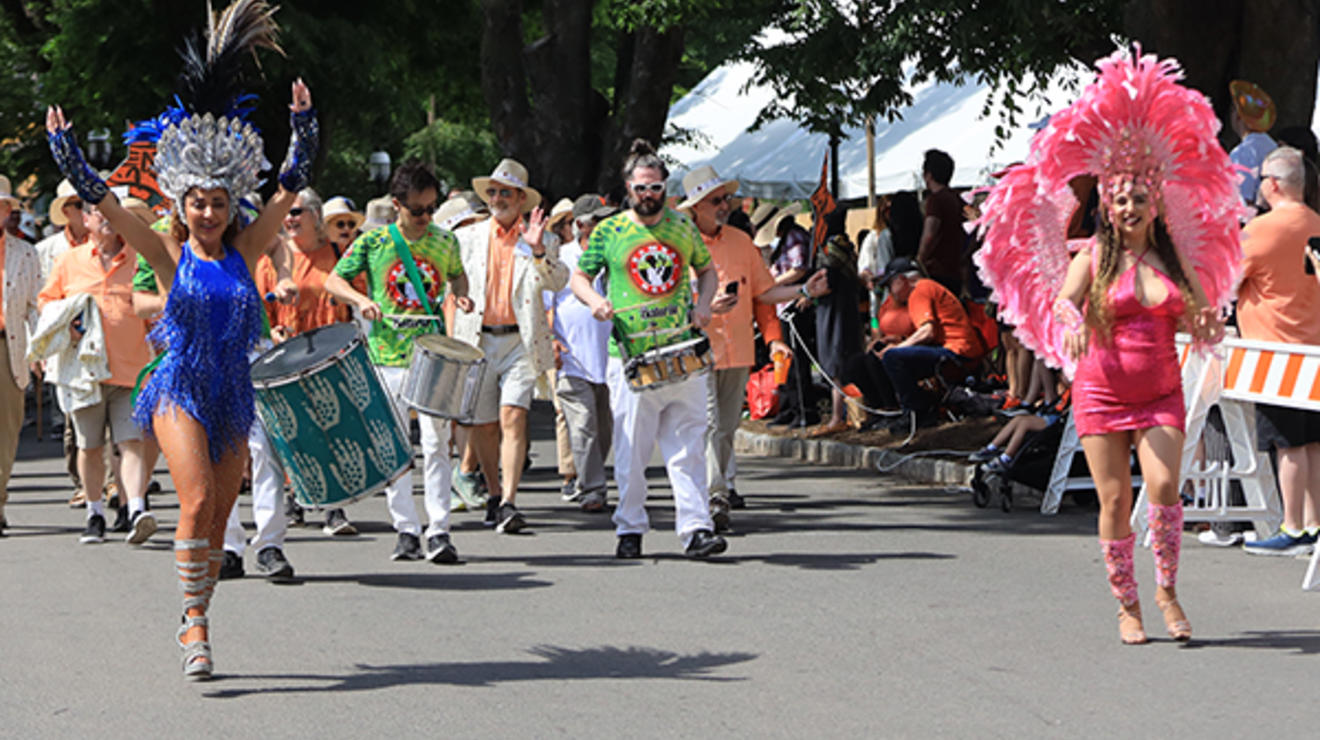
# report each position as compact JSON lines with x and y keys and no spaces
{"x":861,"y":457}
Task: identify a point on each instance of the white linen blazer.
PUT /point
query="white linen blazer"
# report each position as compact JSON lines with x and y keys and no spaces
{"x":22,"y":284}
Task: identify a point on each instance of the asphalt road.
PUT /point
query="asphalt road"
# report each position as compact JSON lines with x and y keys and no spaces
{"x":848,"y":605}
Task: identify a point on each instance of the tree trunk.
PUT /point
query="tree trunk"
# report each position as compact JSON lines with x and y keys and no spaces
{"x":504,"y":78}
{"x":1273,"y":43}
{"x":641,"y":107}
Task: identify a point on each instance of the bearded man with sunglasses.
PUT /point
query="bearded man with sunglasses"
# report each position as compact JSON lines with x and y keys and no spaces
{"x":646,"y":253}
{"x":510,"y":262}
{"x":395,"y":258}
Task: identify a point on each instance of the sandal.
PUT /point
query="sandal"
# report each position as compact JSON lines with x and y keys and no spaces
{"x":1175,"y":621}
{"x":197,"y":663}
{"x":1130,"y":630}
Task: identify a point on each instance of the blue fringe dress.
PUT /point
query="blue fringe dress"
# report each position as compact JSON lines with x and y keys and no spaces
{"x":211,"y":320}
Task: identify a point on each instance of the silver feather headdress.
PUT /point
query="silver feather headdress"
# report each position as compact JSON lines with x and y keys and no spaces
{"x":204,"y":140}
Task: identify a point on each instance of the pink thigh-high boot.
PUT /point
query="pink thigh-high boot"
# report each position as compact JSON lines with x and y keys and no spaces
{"x":1166,"y":524}
{"x":1123,"y":583}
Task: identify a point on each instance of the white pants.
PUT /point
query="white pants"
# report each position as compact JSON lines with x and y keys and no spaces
{"x":674,"y":416}
{"x":267,"y":498}
{"x":436,"y":472}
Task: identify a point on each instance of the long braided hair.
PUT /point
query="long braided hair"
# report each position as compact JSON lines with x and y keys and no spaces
{"x":1100,"y":310}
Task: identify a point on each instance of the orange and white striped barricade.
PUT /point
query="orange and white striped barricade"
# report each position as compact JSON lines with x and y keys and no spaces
{"x":1206,"y":383}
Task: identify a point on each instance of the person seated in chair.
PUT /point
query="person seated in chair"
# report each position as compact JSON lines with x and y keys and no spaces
{"x":943,"y":334}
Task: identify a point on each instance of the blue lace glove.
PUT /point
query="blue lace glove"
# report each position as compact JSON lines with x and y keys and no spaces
{"x":304,"y":139}
{"x":69,"y":158}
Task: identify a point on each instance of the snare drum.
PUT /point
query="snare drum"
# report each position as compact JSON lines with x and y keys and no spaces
{"x":664,"y":366}
{"x":329,"y":419}
{"x":444,"y":377}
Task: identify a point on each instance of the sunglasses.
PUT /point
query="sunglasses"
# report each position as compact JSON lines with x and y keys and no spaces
{"x":343,"y":224}
{"x":502,"y":192}
{"x":654,"y":187}
{"x":73,"y":204}
{"x":419,"y":211}
{"x":296,"y":211}
{"x":720,"y":199}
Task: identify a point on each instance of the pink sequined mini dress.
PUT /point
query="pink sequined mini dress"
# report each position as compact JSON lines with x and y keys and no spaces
{"x":1132,"y":381}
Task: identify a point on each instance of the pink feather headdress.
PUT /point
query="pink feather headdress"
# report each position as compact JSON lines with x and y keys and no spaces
{"x":1134,"y":124}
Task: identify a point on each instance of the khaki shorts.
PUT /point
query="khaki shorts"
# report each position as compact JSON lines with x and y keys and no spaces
{"x":509,"y":379}
{"x":116,"y":410}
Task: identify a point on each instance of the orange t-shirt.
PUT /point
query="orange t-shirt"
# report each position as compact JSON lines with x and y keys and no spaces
{"x":894,"y":320}
{"x":1277,"y":300}
{"x":314,"y":307}
{"x":736,"y":258}
{"x":499,"y":274}
{"x":932,"y":302}
{"x":79,"y":271}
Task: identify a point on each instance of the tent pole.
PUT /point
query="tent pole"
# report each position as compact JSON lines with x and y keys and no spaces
{"x":870,"y":162}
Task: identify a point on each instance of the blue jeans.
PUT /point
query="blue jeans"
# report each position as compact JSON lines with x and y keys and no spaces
{"x":908,"y":365}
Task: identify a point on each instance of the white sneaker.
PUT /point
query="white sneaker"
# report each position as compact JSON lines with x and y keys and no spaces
{"x":1214,"y":538}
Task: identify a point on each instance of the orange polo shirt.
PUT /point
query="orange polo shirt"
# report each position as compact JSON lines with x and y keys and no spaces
{"x":499,"y":274}
{"x":736,"y":258}
{"x":1278,"y":301}
{"x":932,"y":302}
{"x":314,"y":307}
{"x":79,"y":271}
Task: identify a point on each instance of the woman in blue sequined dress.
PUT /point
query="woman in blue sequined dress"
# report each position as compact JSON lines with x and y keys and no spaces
{"x":199,"y":402}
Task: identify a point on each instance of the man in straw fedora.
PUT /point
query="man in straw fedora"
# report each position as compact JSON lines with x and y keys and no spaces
{"x":66,"y":212}
{"x":745,"y":302}
{"x":510,"y":262}
{"x":20,"y":280}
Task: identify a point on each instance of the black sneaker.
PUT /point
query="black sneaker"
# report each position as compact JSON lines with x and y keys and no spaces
{"x":719,"y":513}
{"x":122,"y":523}
{"x":337,"y":523}
{"x":293,"y":513}
{"x":704,"y":543}
{"x":510,"y":521}
{"x":408,"y":548}
{"x":492,"y":511}
{"x":630,"y":547}
{"x":143,"y":526}
{"x":439,"y":549}
{"x":231,"y":567}
{"x":272,"y":564}
{"x":736,"y":501}
{"x":95,"y":531}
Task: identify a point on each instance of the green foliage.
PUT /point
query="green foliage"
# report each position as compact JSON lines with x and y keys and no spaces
{"x":457,"y":152}
{"x":835,"y":63}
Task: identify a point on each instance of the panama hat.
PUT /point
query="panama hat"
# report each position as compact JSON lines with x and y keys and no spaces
{"x":139,"y":208}
{"x":64,"y":193}
{"x":766,"y":218}
{"x":340,"y":206}
{"x":462,"y":207}
{"x":380,"y":212}
{"x":1253,"y":104}
{"x":7,"y":193}
{"x":508,"y":172}
{"x":701,"y":182}
{"x":562,"y":211}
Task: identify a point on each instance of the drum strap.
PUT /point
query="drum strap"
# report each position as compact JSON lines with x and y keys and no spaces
{"x":146,"y":370}
{"x":414,"y":277}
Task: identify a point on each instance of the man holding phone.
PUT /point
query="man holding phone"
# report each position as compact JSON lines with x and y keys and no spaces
{"x":1278,"y":302}
{"x":739,"y":265}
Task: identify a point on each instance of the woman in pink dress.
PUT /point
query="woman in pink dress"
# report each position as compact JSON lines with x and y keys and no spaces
{"x":1165,"y":257}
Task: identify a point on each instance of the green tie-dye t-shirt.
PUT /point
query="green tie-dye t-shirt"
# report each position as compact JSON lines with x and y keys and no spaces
{"x":649,"y":285}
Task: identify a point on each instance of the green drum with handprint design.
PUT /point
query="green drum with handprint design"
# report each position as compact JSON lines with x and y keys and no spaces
{"x":329,"y":419}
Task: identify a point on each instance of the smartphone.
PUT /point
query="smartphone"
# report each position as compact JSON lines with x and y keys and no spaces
{"x":732,"y":288}
{"x":1312,"y":244}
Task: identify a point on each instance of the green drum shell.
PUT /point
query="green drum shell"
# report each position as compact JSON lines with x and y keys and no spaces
{"x":334,"y":430}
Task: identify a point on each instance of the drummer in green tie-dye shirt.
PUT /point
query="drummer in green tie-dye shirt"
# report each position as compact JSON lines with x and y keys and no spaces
{"x":648,"y":253}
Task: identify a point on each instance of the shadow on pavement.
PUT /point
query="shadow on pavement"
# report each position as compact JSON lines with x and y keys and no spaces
{"x":806,"y":561}
{"x":1304,"y":642}
{"x":437,"y":581}
{"x":552,"y":664}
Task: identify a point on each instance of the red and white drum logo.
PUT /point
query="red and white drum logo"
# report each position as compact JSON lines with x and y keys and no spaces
{"x":401,"y":290}
{"x":655,"y":268}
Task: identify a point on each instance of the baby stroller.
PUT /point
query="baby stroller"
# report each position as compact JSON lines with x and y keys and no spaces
{"x":1031,"y":468}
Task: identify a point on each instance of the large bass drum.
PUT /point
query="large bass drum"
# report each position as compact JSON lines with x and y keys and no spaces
{"x":329,"y":419}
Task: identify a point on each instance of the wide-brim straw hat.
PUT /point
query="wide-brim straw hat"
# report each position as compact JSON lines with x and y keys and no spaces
{"x":64,"y":193}
{"x":1253,"y":104}
{"x":380,"y":212}
{"x":7,"y":193}
{"x":508,"y":172}
{"x":766,"y":218}
{"x":701,"y":182}
{"x":562,"y":211}
{"x":466,"y":205}
{"x":338,"y":207}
